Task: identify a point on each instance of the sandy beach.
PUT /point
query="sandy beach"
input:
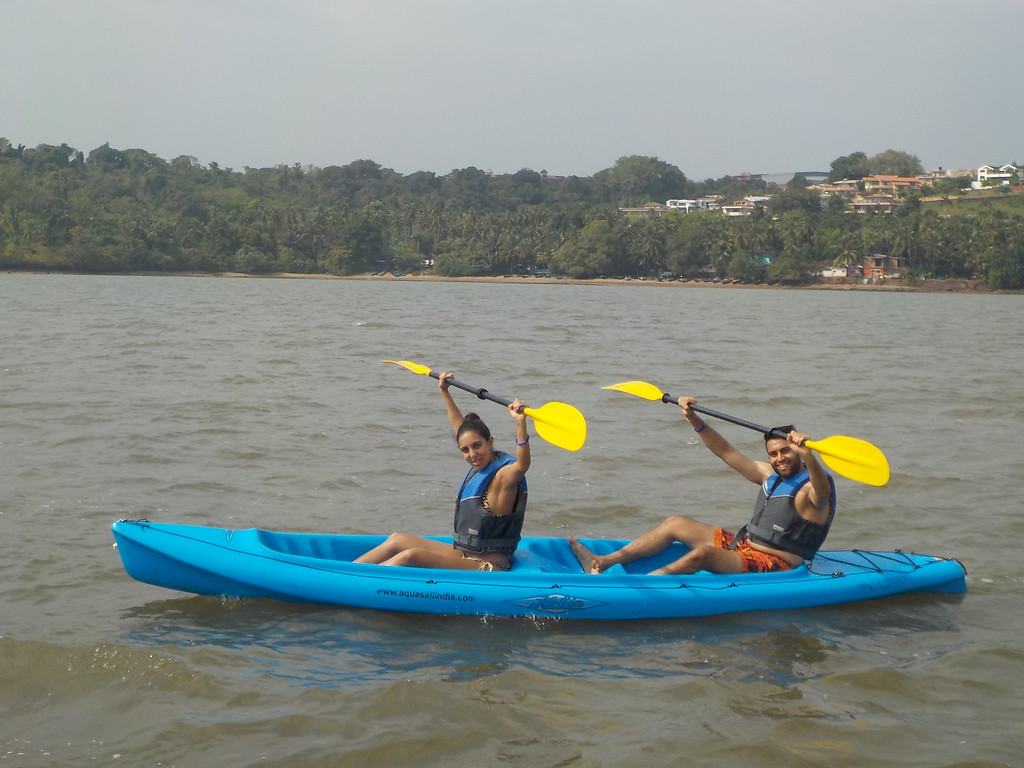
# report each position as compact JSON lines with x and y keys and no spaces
{"x":853,"y":284}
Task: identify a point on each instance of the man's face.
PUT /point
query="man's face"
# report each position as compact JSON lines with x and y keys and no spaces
{"x":782,"y":457}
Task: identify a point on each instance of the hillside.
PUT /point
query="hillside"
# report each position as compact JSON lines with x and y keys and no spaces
{"x":1011,"y":202}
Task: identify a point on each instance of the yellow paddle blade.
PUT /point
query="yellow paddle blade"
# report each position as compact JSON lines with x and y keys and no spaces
{"x":560,"y":424}
{"x":638,"y":388}
{"x":847,"y":456}
{"x":856,"y":459}
{"x":414,"y":367}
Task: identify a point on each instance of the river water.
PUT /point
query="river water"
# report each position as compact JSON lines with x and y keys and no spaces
{"x":245,"y":402}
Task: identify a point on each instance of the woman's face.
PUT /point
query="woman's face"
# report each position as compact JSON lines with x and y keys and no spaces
{"x":477,"y":451}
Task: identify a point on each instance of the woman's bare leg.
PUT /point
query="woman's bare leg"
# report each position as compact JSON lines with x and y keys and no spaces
{"x":415,"y":551}
{"x":393,"y":544}
{"x":434,"y":557}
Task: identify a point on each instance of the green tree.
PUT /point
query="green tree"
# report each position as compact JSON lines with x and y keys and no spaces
{"x":47,"y":157}
{"x":596,"y":251}
{"x":696,"y":242}
{"x":461,"y":258}
{"x":366,"y":243}
{"x":852,"y":166}
{"x":793,"y":265}
{"x":106,"y":158}
{"x":466,"y":189}
{"x":798,"y":199}
{"x":1005,"y":267}
{"x":635,"y":180}
{"x":646,"y":244}
{"x":253,"y":261}
{"x":746,"y":267}
{"x":951,"y":187}
{"x":895,"y":163}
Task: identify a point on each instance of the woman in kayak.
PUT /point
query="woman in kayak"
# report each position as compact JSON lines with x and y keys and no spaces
{"x":490,"y":506}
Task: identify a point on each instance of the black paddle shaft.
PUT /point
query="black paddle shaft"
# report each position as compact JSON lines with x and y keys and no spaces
{"x":667,"y":398}
{"x":480,"y":392}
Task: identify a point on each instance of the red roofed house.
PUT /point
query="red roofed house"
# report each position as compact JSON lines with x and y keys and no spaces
{"x":890,"y":184}
{"x":881,"y":265}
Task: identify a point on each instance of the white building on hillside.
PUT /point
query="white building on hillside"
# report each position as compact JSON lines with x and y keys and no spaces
{"x":709,"y":203}
{"x":991,"y":176}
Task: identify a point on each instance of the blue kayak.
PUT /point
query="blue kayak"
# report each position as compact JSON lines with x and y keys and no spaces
{"x":545,"y":580}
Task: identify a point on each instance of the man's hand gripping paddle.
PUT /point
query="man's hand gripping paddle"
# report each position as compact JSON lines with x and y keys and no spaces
{"x":848,"y":456}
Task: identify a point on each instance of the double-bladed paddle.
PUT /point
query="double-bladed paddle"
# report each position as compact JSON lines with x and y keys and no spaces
{"x":850,"y":457}
{"x":558,"y":423}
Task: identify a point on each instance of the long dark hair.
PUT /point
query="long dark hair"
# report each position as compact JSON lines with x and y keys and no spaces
{"x":473,"y":423}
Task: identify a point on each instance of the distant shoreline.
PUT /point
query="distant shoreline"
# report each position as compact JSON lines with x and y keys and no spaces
{"x":891,"y":286}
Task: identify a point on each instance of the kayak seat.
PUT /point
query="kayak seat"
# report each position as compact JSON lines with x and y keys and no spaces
{"x":529,"y":560}
{"x":545,"y":555}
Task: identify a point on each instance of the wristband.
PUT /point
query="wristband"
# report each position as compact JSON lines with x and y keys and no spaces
{"x":524,"y":441}
{"x":702,"y":428}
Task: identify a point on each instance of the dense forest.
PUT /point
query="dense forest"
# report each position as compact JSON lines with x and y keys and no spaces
{"x":129,"y":210}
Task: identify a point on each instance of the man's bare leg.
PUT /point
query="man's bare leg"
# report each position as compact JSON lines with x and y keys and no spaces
{"x":690,"y":532}
{"x":703,"y":558}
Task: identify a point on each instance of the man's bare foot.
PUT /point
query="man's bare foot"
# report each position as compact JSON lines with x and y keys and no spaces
{"x":589,"y":562}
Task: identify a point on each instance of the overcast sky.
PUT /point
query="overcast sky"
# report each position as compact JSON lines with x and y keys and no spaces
{"x":714,"y":87}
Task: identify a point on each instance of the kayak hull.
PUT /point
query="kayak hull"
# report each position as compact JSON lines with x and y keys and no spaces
{"x":545,"y":580}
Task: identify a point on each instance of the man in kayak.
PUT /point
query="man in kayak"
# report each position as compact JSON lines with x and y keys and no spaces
{"x":794,"y":509}
{"x":490,"y":506}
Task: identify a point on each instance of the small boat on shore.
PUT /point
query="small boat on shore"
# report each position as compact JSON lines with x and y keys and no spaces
{"x":546,"y":579}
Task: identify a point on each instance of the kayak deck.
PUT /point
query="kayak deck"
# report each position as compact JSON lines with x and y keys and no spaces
{"x":534,"y":555}
{"x":545,"y":579}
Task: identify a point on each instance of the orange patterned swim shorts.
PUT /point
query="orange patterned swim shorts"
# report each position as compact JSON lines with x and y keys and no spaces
{"x":754,"y":560}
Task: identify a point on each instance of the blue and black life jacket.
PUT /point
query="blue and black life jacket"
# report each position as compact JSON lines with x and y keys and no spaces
{"x":479,"y":531}
{"x":777,"y":524}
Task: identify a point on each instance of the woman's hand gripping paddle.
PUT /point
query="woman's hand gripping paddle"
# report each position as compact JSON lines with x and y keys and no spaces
{"x":558,"y":423}
{"x":856,"y":459}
